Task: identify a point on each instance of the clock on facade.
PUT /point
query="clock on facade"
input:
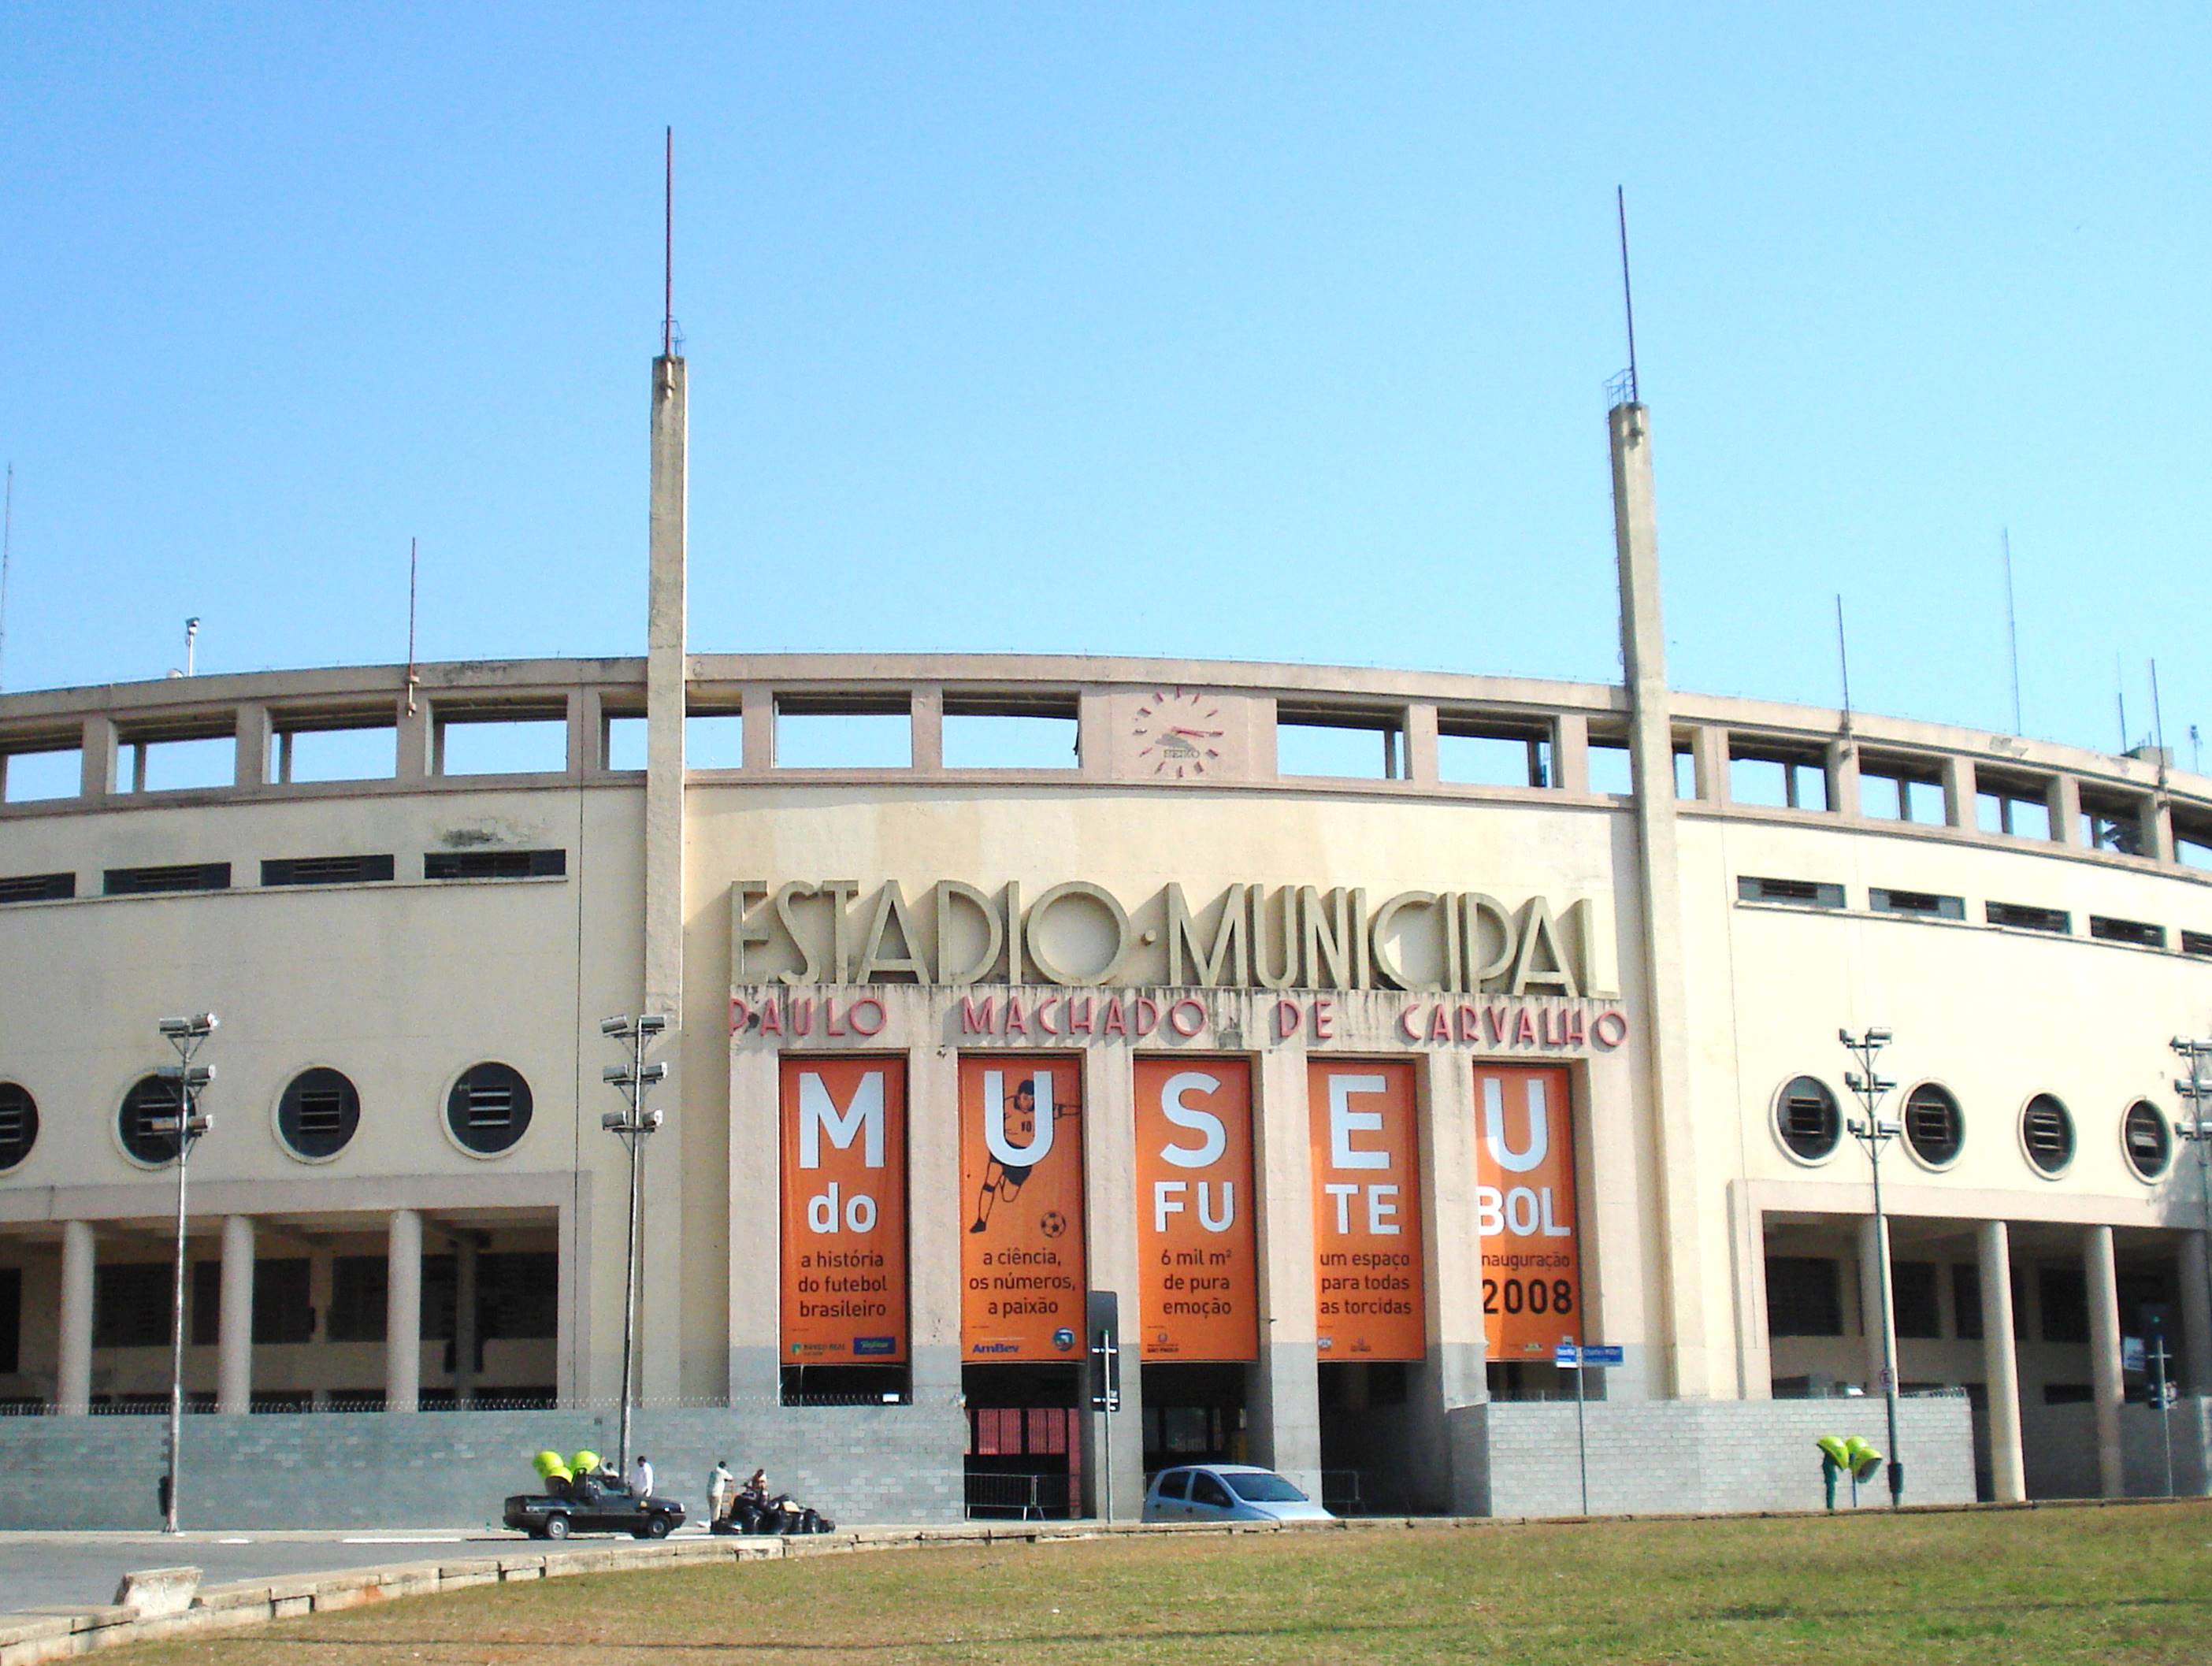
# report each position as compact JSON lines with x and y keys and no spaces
{"x":1176,"y":732}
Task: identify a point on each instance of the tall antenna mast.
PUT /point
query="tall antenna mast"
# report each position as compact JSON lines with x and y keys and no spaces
{"x":2012,"y":630}
{"x":1844,"y":659}
{"x":7,"y":550}
{"x":1627,"y":294}
{"x":2120,"y":699}
{"x":2157,"y":720}
{"x":411,"y":627}
{"x":668,"y":253}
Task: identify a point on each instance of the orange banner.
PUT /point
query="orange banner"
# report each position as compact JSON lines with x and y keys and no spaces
{"x":844,"y":1212}
{"x":1367,"y":1211}
{"x":1021,"y":1175}
{"x":1524,"y":1210}
{"x":1194,"y":1210}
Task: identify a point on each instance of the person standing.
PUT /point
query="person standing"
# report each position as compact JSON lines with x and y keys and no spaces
{"x":721,"y":1483}
{"x":640,"y":1480}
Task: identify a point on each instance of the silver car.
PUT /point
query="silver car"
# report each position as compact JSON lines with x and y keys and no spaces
{"x":1227,"y":1493}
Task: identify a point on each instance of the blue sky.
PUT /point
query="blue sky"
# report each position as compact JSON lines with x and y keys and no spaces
{"x":1252,"y":332}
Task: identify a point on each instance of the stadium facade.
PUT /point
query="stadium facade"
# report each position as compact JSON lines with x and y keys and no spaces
{"x":1360,"y":1092}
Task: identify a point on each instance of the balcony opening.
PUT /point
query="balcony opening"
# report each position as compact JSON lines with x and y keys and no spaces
{"x":32,"y":777}
{"x":1333,"y":741}
{"x":2020,"y":812}
{"x":1475,"y":753}
{"x":1011,"y":732}
{"x":715,"y":739}
{"x":1778,"y":780}
{"x":1891,"y":792}
{"x":1610,"y":768}
{"x":520,"y":739}
{"x":182,"y":763}
{"x":622,"y":741}
{"x":2113,"y":824}
{"x":356,"y":748}
{"x":844,"y":731}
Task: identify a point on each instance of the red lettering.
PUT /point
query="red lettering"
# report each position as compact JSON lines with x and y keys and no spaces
{"x":1080,"y":1024}
{"x":1406,"y":1024}
{"x":1287,"y":1020}
{"x":1044,"y":1014}
{"x":829,"y":1024}
{"x":975,"y":1020}
{"x":1575,"y":1028}
{"x":1469,"y":1023}
{"x":1439,"y":1027}
{"x":1524,"y":1029}
{"x":1197,"y":1010}
{"x":1495,"y":1017}
{"x":1609,"y":1028}
{"x":802,"y":1018}
{"x":1148,"y":1016}
{"x":772,"y":1018}
{"x":1322,"y":1019}
{"x":867,"y":1003}
{"x":1018,"y":1022}
{"x":1114,"y":1024}
{"x":740,"y":1015}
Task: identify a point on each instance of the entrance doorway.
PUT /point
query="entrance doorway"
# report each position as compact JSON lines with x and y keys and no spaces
{"x":1194,"y":1414}
{"x":1367,"y":1437}
{"x":1024,"y":1459}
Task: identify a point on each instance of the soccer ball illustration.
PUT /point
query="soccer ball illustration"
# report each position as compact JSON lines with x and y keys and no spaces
{"x":1054,"y":1223}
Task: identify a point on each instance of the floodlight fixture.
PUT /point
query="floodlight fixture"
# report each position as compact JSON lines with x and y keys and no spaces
{"x":197,"y":1027}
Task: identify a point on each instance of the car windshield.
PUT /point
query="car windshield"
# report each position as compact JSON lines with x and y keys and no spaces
{"x":1264,"y":1489}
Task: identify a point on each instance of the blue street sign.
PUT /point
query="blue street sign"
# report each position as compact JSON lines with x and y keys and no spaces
{"x":1594,"y":1355}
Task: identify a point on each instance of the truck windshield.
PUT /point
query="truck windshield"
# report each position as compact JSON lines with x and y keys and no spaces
{"x":1264,"y":1489}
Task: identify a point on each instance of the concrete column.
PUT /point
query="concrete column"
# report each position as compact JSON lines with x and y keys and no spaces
{"x":1109,"y":1205}
{"x":1959,"y":792}
{"x":758,"y":703}
{"x":2000,"y":1363}
{"x":2195,"y":1315}
{"x":73,"y":1375}
{"x":1286,"y":1392}
{"x":1690,"y":1371}
{"x":1875,"y":1299}
{"x":233,"y":1392}
{"x":1421,"y":742}
{"x":2105,"y":1356}
{"x":416,"y":740}
{"x":1570,"y":753}
{"x":465,"y":1320}
{"x":583,"y":732}
{"x":2158,"y":828}
{"x":1842,"y":765}
{"x":2063,"y":798}
{"x":97,"y":779}
{"x":402,"y":1314}
{"x":937,"y":1221}
{"x":1094,"y":734}
{"x":1708,"y":756}
{"x":925,"y":723}
{"x":253,"y":767}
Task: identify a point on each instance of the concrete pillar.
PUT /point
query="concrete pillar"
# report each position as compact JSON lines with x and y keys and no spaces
{"x":937,"y":1222}
{"x":1959,"y":792}
{"x":253,"y":767}
{"x":1875,"y":1301}
{"x":97,"y":778}
{"x":2063,"y":798}
{"x":1421,"y":742}
{"x":233,"y":1392}
{"x":465,"y":1320}
{"x":417,"y":741}
{"x":1570,"y":753}
{"x":1690,"y":1371}
{"x":2000,"y":1363}
{"x":1708,"y":756}
{"x":1842,"y":766}
{"x":402,"y":1314}
{"x":1109,"y":1205}
{"x":2105,"y":1355}
{"x":2195,"y":1315}
{"x":667,"y":692}
{"x":1284,"y":1398}
{"x":926,"y":727}
{"x":73,"y":1375}
{"x":2158,"y":828}
{"x":758,"y":704}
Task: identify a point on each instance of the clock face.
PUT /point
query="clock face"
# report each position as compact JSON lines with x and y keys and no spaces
{"x":1177,"y":732}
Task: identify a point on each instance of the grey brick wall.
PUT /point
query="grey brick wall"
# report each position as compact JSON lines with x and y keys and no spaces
{"x":2060,"y":1443}
{"x":1514,"y":1458}
{"x":860,"y":1465}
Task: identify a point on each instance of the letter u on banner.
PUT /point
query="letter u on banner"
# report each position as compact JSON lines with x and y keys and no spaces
{"x":1524,"y":1172}
{"x":843,"y":1190}
{"x":1196,"y":1239}
{"x":1022,"y":1269}
{"x":1368,"y":1253}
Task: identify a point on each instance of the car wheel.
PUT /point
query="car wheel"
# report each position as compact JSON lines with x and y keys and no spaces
{"x":656,"y":1526}
{"x":556,"y":1527}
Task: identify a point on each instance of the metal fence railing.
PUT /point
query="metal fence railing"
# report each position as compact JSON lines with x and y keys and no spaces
{"x":1029,"y":1497}
{"x":1340,"y":1494}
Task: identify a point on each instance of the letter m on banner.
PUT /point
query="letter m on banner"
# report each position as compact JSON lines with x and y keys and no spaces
{"x":862,"y":1118}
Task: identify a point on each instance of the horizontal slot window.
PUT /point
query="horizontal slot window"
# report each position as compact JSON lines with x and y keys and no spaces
{"x":2196,"y":943}
{"x":2023,"y":917}
{"x":38,"y":887}
{"x":1805,"y":893}
{"x":2138,"y":932}
{"x":325,"y":870}
{"x":1926,"y":904}
{"x":1345,"y":745}
{"x":187,"y":876}
{"x":494,"y":864}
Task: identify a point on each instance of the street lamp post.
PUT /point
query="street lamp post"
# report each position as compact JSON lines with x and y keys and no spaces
{"x":2196,"y":1090}
{"x":185,"y":1035}
{"x":632,"y":1125}
{"x":1874,"y":1132}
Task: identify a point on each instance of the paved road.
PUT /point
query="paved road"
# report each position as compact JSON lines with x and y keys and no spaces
{"x":40,"y":1570}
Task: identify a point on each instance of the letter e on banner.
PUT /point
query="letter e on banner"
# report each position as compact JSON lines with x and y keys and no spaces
{"x":1196,"y":1237}
{"x":1368,"y":1253}
{"x":843,"y":1187}
{"x":1524,"y":1171}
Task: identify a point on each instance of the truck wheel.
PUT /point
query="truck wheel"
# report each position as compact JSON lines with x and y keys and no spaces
{"x":556,"y":1527}
{"x":656,"y":1526}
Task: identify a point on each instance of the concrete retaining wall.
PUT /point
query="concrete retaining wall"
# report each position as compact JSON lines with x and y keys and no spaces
{"x":2060,"y":1444}
{"x":1517,"y":1458}
{"x":859,"y":1464}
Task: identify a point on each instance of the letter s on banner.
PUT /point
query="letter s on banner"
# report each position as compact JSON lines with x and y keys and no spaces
{"x":1198,"y":1250}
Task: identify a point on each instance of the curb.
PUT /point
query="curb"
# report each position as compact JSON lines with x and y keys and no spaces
{"x":59,"y":1634}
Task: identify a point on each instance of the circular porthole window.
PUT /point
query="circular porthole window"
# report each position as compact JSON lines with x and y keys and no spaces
{"x":319,"y":1113}
{"x":151,"y":1101}
{"x":488,"y":1109}
{"x":2148,"y":1140}
{"x":2047,"y":1134}
{"x":1807,"y":1117}
{"x":1934,"y":1127}
{"x":18,"y":1124}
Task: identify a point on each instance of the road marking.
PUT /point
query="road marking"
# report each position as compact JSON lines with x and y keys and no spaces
{"x":452,"y":1539}
{"x":233,"y":1542}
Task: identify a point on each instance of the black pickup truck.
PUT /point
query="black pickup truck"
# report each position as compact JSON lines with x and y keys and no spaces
{"x":592,"y":1507}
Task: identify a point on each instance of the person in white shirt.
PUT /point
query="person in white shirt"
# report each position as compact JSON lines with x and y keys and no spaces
{"x":640,"y":1480}
{"x":721,"y":1483}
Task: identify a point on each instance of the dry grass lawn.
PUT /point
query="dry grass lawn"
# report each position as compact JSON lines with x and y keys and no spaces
{"x":2020,"y":1587}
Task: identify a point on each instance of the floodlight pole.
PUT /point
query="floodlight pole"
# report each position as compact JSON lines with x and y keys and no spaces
{"x":186,"y":1036}
{"x":2195,"y":1089}
{"x":633,"y":1126}
{"x":1873,"y":1133}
